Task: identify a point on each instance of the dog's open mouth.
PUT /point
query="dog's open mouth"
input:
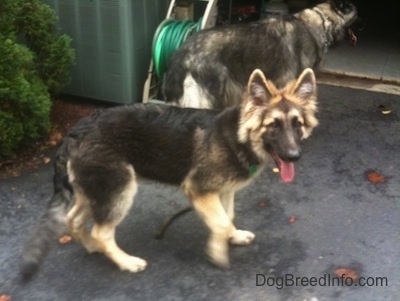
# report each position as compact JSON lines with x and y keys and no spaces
{"x":358,"y":25}
{"x":352,"y":37}
{"x":286,"y":169}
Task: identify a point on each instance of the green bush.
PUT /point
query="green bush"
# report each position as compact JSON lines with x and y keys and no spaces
{"x":34,"y":63}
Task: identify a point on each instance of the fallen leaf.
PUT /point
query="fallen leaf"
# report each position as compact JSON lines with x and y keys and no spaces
{"x":262,"y":204}
{"x":55,"y":138}
{"x":375,"y":177}
{"x":5,"y":298}
{"x":346,"y":272}
{"x":64,"y":239}
{"x":52,"y":143}
{"x":46,"y":160}
{"x":292,"y":219}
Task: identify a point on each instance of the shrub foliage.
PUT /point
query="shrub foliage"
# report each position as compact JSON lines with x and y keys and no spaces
{"x":34,"y":64}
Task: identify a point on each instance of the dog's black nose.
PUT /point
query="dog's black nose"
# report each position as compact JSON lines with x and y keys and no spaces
{"x":292,"y":155}
{"x":358,"y":25}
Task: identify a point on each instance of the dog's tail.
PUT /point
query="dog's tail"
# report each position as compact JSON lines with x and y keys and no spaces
{"x":52,"y":224}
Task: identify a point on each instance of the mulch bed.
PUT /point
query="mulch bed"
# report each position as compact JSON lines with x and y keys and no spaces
{"x":65,"y":113}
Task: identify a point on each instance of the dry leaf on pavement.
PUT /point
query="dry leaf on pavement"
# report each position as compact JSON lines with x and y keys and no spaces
{"x":375,"y":177}
{"x":346,"y":272}
{"x":64,"y":239}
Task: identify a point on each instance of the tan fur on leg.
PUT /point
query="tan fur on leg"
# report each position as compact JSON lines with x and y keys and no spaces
{"x":213,"y":214}
{"x":228,"y":201}
{"x":104,"y":233}
{"x":78,"y":218}
{"x":105,"y":236}
{"x":236,"y":237}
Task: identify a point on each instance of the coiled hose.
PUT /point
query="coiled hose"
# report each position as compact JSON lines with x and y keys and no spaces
{"x":169,"y":36}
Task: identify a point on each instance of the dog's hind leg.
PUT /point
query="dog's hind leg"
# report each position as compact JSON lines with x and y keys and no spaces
{"x":103,"y":231}
{"x":236,"y":237}
{"x":212,"y":212}
{"x":105,"y":235}
{"x":78,"y":218}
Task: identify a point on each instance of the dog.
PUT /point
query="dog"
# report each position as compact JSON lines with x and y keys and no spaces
{"x":210,"y":70}
{"x":210,"y":153}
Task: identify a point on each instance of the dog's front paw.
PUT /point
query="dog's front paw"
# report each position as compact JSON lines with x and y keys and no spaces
{"x":242,"y":237}
{"x":218,"y":254}
{"x":133,"y":264}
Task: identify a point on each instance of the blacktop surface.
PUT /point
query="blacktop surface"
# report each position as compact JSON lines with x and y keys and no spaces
{"x":341,"y":213}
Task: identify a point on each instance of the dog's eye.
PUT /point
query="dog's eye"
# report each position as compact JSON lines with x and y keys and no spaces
{"x":296,"y":123}
{"x":276,"y":124}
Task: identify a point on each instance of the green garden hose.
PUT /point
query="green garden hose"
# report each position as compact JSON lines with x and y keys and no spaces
{"x":169,"y":36}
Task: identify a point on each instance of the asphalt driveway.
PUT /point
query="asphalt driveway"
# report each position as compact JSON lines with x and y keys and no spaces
{"x":341,"y":212}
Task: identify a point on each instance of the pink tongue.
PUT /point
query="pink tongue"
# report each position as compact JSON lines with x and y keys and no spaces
{"x":286,"y":171}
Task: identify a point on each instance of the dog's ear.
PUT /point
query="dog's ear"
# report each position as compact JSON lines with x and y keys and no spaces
{"x":305,"y":86}
{"x":337,"y":4}
{"x":259,"y":89}
{"x":343,"y":6}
